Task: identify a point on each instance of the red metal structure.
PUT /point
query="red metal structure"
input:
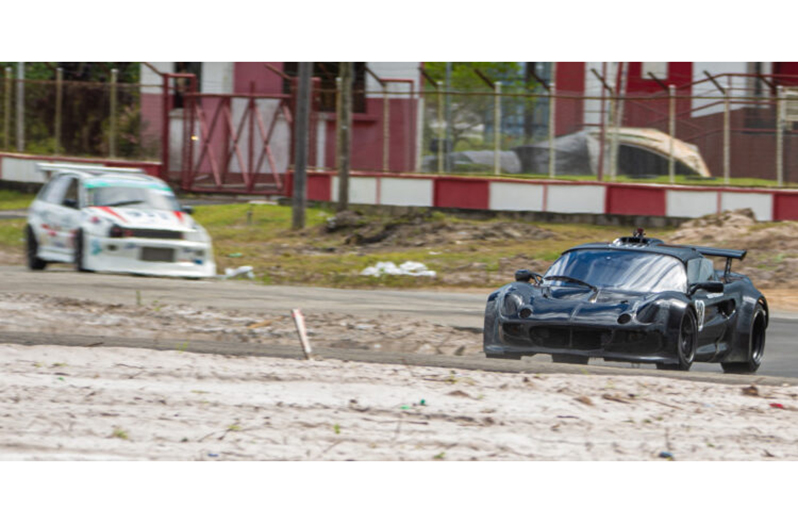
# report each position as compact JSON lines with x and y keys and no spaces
{"x":227,"y":142}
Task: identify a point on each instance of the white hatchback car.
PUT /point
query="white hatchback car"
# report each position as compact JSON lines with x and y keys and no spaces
{"x":116,"y":220}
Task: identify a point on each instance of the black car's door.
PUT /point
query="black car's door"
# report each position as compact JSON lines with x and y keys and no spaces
{"x":712,"y":308}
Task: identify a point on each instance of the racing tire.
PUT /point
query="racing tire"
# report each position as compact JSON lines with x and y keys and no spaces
{"x":686,"y":345}
{"x":570,"y":358}
{"x":503,"y":356}
{"x":756,"y":346}
{"x":32,"y":251}
{"x":80,"y":252}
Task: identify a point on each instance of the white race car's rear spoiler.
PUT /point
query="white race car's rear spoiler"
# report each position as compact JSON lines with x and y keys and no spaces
{"x":50,"y":168}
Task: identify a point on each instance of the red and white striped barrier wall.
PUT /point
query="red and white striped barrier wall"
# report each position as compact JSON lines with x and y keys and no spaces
{"x":554,"y":196}
{"x":22,"y":167}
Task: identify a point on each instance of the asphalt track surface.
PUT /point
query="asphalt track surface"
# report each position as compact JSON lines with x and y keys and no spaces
{"x":459,"y":309}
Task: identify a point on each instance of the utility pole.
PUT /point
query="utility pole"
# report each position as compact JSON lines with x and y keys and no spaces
{"x":344,"y":138}
{"x":112,"y":119}
{"x":59,"y":106}
{"x":20,"y":106}
{"x":7,"y":110}
{"x":448,"y":117}
{"x":302,"y":126}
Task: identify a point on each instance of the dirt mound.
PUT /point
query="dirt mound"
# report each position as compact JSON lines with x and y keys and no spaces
{"x":715,"y":228}
{"x":772,"y":247}
{"x":425,"y":229}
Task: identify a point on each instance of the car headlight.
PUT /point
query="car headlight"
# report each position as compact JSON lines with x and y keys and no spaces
{"x":648,"y":313}
{"x":119,"y":232}
{"x":512,"y":302}
{"x":197,"y":235}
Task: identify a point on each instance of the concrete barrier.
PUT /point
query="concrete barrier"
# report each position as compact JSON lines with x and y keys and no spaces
{"x":21,"y":168}
{"x":554,"y":196}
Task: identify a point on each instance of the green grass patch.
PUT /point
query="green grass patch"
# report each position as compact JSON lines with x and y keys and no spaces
{"x":12,"y":235}
{"x":14,"y":200}
{"x":261,"y":236}
{"x":280,"y":255}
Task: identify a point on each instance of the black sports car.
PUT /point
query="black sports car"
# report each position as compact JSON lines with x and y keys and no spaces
{"x":635,"y":299}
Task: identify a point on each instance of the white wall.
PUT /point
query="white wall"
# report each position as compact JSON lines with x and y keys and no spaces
{"x":760,"y":203}
{"x":410,"y":192}
{"x":576,"y":199}
{"x":594,"y":87}
{"x":708,"y":88}
{"x":516,"y":197}
{"x":690,"y":204}
{"x":404,"y":70}
{"x":361,"y":190}
{"x":217,"y":77}
{"x":153,"y":80}
{"x":280,"y":142}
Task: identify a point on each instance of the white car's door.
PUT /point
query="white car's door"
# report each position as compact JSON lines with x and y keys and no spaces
{"x":47,"y":215}
{"x":69,"y":218}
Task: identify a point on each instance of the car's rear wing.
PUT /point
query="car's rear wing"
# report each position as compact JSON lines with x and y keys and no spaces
{"x":729,"y":254}
{"x":50,"y":168}
{"x":722,"y":253}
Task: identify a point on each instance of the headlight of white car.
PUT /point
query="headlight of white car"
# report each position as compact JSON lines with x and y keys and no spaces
{"x":197,"y":235}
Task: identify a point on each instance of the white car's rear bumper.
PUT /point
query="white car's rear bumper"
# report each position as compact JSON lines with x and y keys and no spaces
{"x":149,"y":256}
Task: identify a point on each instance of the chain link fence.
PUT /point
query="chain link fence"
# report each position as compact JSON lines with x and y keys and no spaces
{"x":742,"y":132}
{"x":736,"y":129}
{"x":80,"y":119}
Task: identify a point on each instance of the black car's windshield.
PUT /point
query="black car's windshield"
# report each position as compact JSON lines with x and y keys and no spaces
{"x":133,"y":196}
{"x":622,"y":270}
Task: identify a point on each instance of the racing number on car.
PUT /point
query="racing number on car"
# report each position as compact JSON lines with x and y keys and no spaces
{"x":700,"y":309}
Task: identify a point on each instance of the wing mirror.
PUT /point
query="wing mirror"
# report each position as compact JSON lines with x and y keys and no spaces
{"x":709,"y":286}
{"x":525,"y":275}
{"x":188,"y":209}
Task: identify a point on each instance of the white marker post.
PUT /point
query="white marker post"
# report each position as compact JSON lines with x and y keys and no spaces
{"x":299,"y":321}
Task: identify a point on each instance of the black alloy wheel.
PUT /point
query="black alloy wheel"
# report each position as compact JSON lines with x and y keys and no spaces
{"x":756,"y":345}
{"x":686,"y":346}
{"x":80,"y":252}
{"x":32,"y":250}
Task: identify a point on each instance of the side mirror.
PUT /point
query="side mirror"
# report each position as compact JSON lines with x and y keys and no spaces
{"x":709,"y":286}
{"x":525,"y":275}
{"x":188,"y":209}
{"x":71,"y":203}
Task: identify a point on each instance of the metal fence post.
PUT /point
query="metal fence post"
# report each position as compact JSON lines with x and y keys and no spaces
{"x":7,"y":112}
{"x":112,"y":123}
{"x":59,"y":107}
{"x":419,"y":160}
{"x":386,"y":128}
{"x":780,"y":106}
{"x":671,"y":132}
{"x":338,"y":114}
{"x":552,"y":123}
{"x":614,"y":137}
{"x":497,"y":128}
{"x":302,"y":125}
{"x":20,"y":106}
{"x":727,"y":134}
{"x":441,"y":130}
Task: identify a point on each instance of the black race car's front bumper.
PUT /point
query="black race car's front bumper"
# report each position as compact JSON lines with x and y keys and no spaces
{"x":633,"y":342}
